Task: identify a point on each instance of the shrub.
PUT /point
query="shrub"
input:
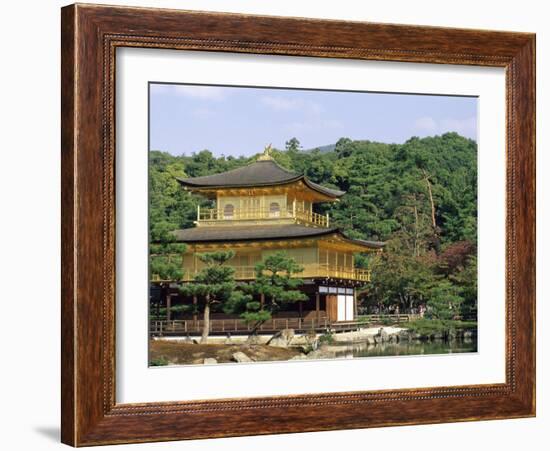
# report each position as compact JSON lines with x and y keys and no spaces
{"x":326,"y":338}
{"x":427,"y":327}
{"x":160,"y":361}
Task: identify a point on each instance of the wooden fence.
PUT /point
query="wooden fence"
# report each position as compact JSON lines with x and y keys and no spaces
{"x":239,"y":326}
{"x":393,"y":318}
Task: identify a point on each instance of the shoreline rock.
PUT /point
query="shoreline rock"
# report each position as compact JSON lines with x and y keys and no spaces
{"x":241,"y":357}
{"x":282,"y":339}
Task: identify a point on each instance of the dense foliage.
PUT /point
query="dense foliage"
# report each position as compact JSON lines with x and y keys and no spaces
{"x":420,"y":197}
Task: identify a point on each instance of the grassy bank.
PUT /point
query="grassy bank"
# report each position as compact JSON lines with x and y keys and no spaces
{"x":428,"y":327}
{"x":180,"y":353}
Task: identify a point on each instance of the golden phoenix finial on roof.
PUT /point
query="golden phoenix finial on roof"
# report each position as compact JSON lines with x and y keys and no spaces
{"x":267,"y":154}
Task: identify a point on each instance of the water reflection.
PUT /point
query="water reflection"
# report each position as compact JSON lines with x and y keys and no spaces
{"x":351,"y":350}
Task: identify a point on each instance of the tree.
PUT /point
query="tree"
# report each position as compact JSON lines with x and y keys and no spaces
{"x":466,"y":279}
{"x":437,"y":174}
{"x":166,"y":255}
{"x":293,"y":145}
{"x":456,"y":256}
{"x":399,"y":278}
{"x":276,"y":282}
{"x":169,"y":205}
{"x":165,"y":263}
{"x":420,"y":197}
{"x":213,"y":285}
{"x":344,"y":147}
{"x":444,"y":301}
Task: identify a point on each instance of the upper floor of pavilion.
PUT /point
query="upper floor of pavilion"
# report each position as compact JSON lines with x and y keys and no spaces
{"x":260,"y":193}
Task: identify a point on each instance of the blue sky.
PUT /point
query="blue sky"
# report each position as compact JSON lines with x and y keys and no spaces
{"x":242,"y":121}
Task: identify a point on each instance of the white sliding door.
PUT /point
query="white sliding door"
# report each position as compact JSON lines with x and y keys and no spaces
{"x":345,"y":307}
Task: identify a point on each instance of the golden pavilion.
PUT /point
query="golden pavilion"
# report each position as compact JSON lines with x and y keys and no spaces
{"x":264,"y":208}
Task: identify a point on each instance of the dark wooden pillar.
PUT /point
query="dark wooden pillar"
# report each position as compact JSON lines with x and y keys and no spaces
{"x":262,"y":300}
{"x":354,"y":303}
{"x":317,"y":306}
{"x":168,"y":306}
{"x":194,"y":308}
{"x":300,"y":306}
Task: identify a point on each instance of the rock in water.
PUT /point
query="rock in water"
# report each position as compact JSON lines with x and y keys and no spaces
{"x":404,"y":335}
{"x":321,"y":353}
{"x":210,"y":361}
{"x":241,"y":357}
{"x":315,"y":345}
{"x":383,"y":335}
{"x":282,"y":339}
{"x":299,"y":357}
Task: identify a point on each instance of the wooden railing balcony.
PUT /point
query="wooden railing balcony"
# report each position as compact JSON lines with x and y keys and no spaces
{"x":212,"y":216}
{"x":312,"y":270}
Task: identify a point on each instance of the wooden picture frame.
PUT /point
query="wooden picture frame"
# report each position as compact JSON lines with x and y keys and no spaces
{"x":90,"y":36}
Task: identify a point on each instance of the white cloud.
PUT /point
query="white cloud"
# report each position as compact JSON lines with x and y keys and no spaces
{"x":429,"y":125}
{"x":198,"y":92}
{"x":277,"y":103}
{"x":466,"y":127}
{"x":281,"y":103}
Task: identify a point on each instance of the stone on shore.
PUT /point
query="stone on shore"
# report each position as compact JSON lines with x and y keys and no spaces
{"x":384,"y":336}
{"x":210,"y":361}
{"x":404,"y":335}
{"x":321,"y":353}
{"x":253,"y":340}
{"x":241,"y":357}
{"x":299,"y":357}
{"x":282,"y":339}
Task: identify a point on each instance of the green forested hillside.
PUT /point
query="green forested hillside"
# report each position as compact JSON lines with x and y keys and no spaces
{"x":420,"y":197}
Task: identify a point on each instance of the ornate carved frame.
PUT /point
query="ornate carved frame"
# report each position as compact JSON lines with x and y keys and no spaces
{"x":90,"y":36}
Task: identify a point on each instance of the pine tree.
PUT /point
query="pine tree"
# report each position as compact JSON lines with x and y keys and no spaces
{"x":214,"y":285}
{"x":276,"y":282}
{"x":166,"y":255}
{"x":444,"y":301}
{"x":293,"y":145}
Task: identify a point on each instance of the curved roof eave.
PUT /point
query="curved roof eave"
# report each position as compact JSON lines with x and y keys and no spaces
{"x":311,"y":185}
{"x":288,"y":232}
{"x":187,"y":182}
{"x":323,"y":189}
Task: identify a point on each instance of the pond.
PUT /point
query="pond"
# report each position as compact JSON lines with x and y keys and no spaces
{"x":350,"y":350}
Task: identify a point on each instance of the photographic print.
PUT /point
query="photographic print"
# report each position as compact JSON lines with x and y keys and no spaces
{"x":292,"y":224}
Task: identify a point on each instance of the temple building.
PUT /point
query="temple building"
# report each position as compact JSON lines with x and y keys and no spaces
{"x":263,"y":208}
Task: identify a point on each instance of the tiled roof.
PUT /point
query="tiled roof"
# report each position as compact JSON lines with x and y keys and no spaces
{"x":259,"y":173}
{"x":211,"y":234}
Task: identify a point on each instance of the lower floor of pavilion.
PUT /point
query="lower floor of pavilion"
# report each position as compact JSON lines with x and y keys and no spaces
{"x":328,"y":302}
